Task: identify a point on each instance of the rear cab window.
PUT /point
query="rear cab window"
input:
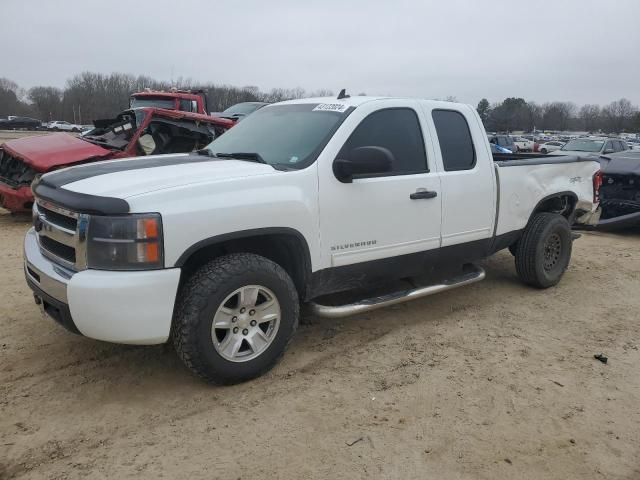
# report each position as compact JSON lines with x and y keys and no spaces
{"x":454,"y":137}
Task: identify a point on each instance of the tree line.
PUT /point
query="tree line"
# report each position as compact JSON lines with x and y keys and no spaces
{"x":88,"y":96}
{"x":515,"y":114}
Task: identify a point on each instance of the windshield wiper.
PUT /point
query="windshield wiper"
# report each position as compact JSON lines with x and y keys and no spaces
{"x":248,"y":156}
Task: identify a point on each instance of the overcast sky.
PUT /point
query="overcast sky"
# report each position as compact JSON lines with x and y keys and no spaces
{"x":585,"y":51}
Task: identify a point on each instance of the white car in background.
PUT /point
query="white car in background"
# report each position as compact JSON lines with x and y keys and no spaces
{"x":524,"y":144}
{"x":551,"y":146}
{"x":60,"y":125}
{"x":592,"y":146}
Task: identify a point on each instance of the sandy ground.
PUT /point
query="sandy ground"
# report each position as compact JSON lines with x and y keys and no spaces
{"x":494,"y":381}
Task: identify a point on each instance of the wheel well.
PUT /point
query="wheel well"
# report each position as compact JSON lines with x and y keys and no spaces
{"x":562,"y":203}
{"x":288,"y":250}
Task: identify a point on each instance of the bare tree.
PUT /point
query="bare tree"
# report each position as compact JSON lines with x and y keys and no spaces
{"x":47,"y":102}
{"x":590,"y":116}
{"x":618,"y":115}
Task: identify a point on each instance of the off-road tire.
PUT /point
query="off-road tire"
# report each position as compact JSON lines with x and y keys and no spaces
{"x":531,"y":264}
{"x":204,"y":292}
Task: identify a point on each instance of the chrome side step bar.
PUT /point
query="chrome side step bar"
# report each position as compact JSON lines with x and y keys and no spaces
{"x":402,"y":296}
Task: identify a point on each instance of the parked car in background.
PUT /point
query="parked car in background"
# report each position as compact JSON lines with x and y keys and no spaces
{"x":62,"y":126}
{"x":620,"y":189}
{"x":551,"y":146}
{"x":592,"y":146}
{"x":524,"y":144}
{"x":633,"y":144}
{"x":505,"y":141}
{"x":20,"y":123}
{"x":135,"y":132}
{"x":240,"y":110}
{"x":498,"y":149}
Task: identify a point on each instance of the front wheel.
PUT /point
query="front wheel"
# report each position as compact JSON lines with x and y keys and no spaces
{"x":235,"y":317}
{"x":543,"y":150}
{"x":544,"y":250}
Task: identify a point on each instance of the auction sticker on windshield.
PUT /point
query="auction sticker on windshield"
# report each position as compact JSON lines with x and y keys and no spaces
{"x":331,"y":107}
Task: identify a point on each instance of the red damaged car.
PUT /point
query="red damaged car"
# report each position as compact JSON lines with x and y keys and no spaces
{"x":134,"y":132}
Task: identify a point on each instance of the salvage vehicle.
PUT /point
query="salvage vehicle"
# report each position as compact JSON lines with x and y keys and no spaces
{"x":592,"y":146}
{"x":306,"y":201}
{"x":524,"y":144}
{"x":240,"y":110}
{"x":620,"y":190}
{"x":504,"y":141}
{"x":194,"y":101}
{"x":550,"y":146}
{"x":140,"y":131}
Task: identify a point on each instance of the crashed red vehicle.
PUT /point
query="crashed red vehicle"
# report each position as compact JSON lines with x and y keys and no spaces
{"x":134,"y":132}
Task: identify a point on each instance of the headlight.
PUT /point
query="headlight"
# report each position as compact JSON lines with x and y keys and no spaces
{"x":131,"y":242}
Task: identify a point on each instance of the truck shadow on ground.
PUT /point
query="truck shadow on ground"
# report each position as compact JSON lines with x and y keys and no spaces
{"x":129,"y":370}
{"x":318,"y":341}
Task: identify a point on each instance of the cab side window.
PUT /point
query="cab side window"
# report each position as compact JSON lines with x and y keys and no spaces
{"x":185,"y":105}
{"x":396,"y":129}
{"x":455,"y":140}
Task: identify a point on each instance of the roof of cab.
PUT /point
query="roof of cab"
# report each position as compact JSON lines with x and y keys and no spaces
{"x":358,"y":100}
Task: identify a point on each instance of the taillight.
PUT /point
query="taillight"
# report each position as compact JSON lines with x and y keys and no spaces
{"x":597,"y":183}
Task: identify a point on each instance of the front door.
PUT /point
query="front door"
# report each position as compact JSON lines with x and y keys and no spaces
{"x":381,"y":216}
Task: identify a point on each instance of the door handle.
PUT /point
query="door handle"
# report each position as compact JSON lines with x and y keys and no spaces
{"x":423,"y":194}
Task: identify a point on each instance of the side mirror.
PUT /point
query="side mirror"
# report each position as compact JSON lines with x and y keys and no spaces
{"x":363,"y":160}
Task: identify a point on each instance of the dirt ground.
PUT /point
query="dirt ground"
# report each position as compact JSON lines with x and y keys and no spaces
{"x":492,"y":381}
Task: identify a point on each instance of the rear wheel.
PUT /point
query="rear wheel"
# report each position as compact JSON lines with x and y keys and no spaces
{"x":235,"y":317}
{"x":544,"y":251}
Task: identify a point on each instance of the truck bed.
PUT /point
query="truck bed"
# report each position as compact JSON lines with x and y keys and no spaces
{"x":526,"y":180}
{"x":512,"y":159}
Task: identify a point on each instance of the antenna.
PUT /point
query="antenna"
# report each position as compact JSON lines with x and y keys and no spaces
{"x":343,"y":94}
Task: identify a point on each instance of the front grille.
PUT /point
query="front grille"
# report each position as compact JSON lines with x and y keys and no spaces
{"x":69,"y":223}
{"x":15,"y":172}
{"x":58,"y":249}
{"x":57,"y":234}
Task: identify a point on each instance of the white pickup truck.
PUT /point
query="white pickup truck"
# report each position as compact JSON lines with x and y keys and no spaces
{"x":217,"y":250}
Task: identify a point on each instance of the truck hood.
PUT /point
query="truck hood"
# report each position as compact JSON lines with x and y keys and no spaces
{"x":44,"y":152}
{"x":139,"y":175}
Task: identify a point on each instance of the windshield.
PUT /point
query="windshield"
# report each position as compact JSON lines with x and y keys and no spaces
{"x":242,"y":108}
{"x":285,"y":135}
{"x":147,"y":101}
{"x":584,"y":145}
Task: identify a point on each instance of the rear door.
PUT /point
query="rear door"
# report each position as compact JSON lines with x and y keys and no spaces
{"x":386,"y":214}
{"x":467,"y":179}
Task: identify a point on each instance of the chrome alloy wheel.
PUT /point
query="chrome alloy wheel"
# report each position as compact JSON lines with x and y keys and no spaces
{"x":246,"y":323}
